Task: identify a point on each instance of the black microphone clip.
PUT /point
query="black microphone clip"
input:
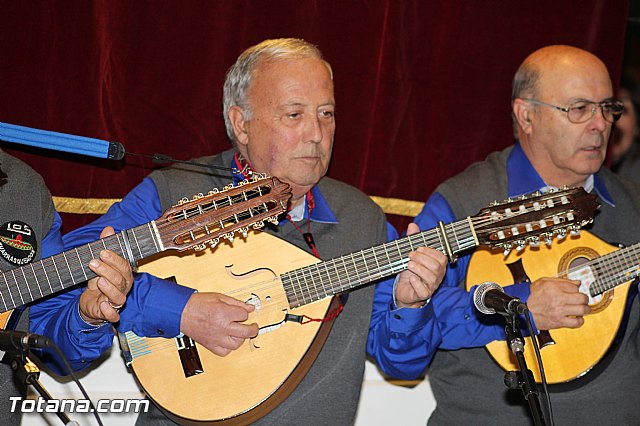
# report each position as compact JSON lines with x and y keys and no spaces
{"x":489,"y":298}
{"x":12,"y":340}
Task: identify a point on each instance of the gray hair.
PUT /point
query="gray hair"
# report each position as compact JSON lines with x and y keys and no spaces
{"x":240,"y":75}
{"x":525,"y":84}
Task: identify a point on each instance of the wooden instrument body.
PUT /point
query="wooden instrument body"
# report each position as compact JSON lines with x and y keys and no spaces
{"x":575,"y":351}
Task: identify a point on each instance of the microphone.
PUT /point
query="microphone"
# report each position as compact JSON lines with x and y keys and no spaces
{"x":489,"y":298}
{"x":61,"y":142}
{"x":11,"y":340}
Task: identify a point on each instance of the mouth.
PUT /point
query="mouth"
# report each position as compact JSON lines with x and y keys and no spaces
{"x":313,"y":158}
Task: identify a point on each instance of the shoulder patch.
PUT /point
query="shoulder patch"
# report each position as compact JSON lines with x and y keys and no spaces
{"x":18,"y":242}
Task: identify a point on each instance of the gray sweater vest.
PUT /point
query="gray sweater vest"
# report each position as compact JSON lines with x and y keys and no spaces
{"x":329,"y":393}
{"x":25,"y":199}
{"x":468,"y":385}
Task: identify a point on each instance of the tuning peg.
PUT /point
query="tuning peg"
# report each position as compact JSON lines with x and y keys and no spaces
{"x":520,"y":245}
{"x":507,"y":249}
{"x":229,"y":237}
{"x":561,"y":233}
{"x":214,"y":242}
{"x":183,"y":200}
{"x":534,"y":241}
{"x":548,"y":239}
{"x":259,"y":224}
{"x":273,"y":220}
{"x":574,"y":230}
{"x":227,"y":187}
{"x":244,"y":231}
{"x":199,"y":247}
{"x":493,"y":203}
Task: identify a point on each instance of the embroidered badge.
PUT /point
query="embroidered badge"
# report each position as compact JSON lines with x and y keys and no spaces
{"x":18,"y":243}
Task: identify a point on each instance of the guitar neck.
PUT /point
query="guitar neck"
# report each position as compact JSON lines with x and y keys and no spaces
{"x":318,"y":281}
{"x":36,"y":280}
{"x":615,"y":268}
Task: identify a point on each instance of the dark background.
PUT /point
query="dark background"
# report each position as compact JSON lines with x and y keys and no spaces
{"x":423,"y":87}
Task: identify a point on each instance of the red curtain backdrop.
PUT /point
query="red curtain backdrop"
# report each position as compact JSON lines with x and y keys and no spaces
{"x":423,"y":87}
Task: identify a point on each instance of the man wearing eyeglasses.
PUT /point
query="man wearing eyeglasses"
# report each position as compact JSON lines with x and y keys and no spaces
{"x":563,"y":109}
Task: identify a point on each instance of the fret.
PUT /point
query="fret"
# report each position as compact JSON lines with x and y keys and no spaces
{"x":294,"y":295}
{"x":26,"y":280}
{"x":302,"y":282}
{"x":46,"y":276}
{"x":6,"y":287}
{"x":287,"y":284}
{"x":452,"y":231}
{"x":64,"y":256}
{"x":135,"y":238}
{"x":328,"y":274}
{"x":344,"y":266}
{"x":155,"y":236}
{"x":341,"y":271}
{"x":93,"y":256}
{"x":400,"y":254}
{"x":313,"y":282}
{"x":375,"y":257}
{"x":306,"y":297}
{"x":335,"y":267}
{"x":36,"y":280}
{"x":295,"y":289}
{"x":53,"y":260}
{"x":366,"y":266}
{"x":17,"y":286}
{"x":81,"y":264}
{"x":306,"y":284}
{"x":355,"y":268}
{"x":386,"y":252}
{"x":122,"y":251}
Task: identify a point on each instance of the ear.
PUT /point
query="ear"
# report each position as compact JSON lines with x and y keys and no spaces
{"x":523,"y":113}
{"x":239,"y":124}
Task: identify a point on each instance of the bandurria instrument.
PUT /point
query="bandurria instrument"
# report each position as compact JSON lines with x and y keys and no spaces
{"x":287,"y":285}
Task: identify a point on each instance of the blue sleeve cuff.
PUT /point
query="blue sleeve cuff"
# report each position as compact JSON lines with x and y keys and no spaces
{"x":168,"y":301}
{"x":154,"y":307}
{"x":77,"y":324}
{"x":410,"y":320}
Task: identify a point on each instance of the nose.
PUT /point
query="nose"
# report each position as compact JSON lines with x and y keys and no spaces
{"x":598,"y":121}
{"x":314,"y":129}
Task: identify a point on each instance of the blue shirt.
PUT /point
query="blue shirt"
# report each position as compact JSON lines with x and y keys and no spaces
{"x":58,"y":318}
{"x":403,"y":341}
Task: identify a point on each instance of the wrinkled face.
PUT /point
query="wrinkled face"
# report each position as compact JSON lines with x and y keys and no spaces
{"x":570,"y":152}
{"x":290,"y":132}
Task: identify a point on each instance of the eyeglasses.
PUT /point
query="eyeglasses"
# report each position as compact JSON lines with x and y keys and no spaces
{"x":582,"y":111}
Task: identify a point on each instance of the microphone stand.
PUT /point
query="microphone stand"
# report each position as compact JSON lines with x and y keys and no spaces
{"x":522,"y":379}
{"x":27,"y":372}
